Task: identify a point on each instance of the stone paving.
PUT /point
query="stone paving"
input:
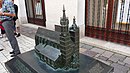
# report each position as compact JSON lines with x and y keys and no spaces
{"x":121,"y":63}
{"x":27,"y":32}
{"x":25,"y":44}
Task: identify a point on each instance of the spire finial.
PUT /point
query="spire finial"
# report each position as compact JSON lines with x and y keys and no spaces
{"x":64,"y":16}
{"x":63,"y":8}
{"x":74,"y":22}
{"x":74,"y":26}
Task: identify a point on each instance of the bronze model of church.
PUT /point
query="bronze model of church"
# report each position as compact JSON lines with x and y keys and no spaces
{"x":57,"y":52}
{"x":59,"y":49}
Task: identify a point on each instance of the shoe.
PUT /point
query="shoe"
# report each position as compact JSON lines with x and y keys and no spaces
{"x":12,"y":52}
{"x":15,"y":33}
{"x":14,"y":55}
{"x":1,"y":49}
{"x":18,"y":35}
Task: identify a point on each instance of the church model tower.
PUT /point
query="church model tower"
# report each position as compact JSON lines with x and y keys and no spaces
{"x":59,"y":49}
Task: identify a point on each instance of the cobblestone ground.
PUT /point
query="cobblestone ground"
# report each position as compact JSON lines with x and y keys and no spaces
{"x":25,"y":44}
{"x":121,"y":63}
{"x":29,"y":32}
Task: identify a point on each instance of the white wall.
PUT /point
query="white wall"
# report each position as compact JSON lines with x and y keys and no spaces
{"x":81,"y":12}
{"x":54,"y":9}
{"x":81,"y":17}
{"x":21,"y":10}
{"x":73,"y":8}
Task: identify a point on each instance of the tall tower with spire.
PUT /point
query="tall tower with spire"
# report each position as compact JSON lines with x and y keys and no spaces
{"x":65,"y":41}
{"x":64,"y":21}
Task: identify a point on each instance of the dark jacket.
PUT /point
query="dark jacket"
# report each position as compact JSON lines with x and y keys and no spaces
{"x":16,"y":12}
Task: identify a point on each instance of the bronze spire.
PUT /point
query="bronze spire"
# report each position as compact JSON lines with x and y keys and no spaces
{"x":64,"y":15}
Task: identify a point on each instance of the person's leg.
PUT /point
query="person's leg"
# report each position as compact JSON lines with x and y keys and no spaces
{"x":2,"y":32}
{"x":8,"y":26}
{"x":2,"y":29}
{"x":18,"y":31}
{"x":15,"y":28}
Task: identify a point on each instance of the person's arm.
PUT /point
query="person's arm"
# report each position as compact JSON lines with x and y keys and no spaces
{"x":6,"y":14}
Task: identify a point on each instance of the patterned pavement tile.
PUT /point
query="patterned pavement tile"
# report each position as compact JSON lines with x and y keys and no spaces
{"x":117,"y":57}
{"x":107,"y":54}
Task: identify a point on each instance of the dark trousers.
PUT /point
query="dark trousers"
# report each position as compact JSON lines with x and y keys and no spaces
{"x":2,"y":31}
{"x":8,"y":26}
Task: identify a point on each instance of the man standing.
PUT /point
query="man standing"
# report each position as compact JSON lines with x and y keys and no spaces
{"x":6,"y":16}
